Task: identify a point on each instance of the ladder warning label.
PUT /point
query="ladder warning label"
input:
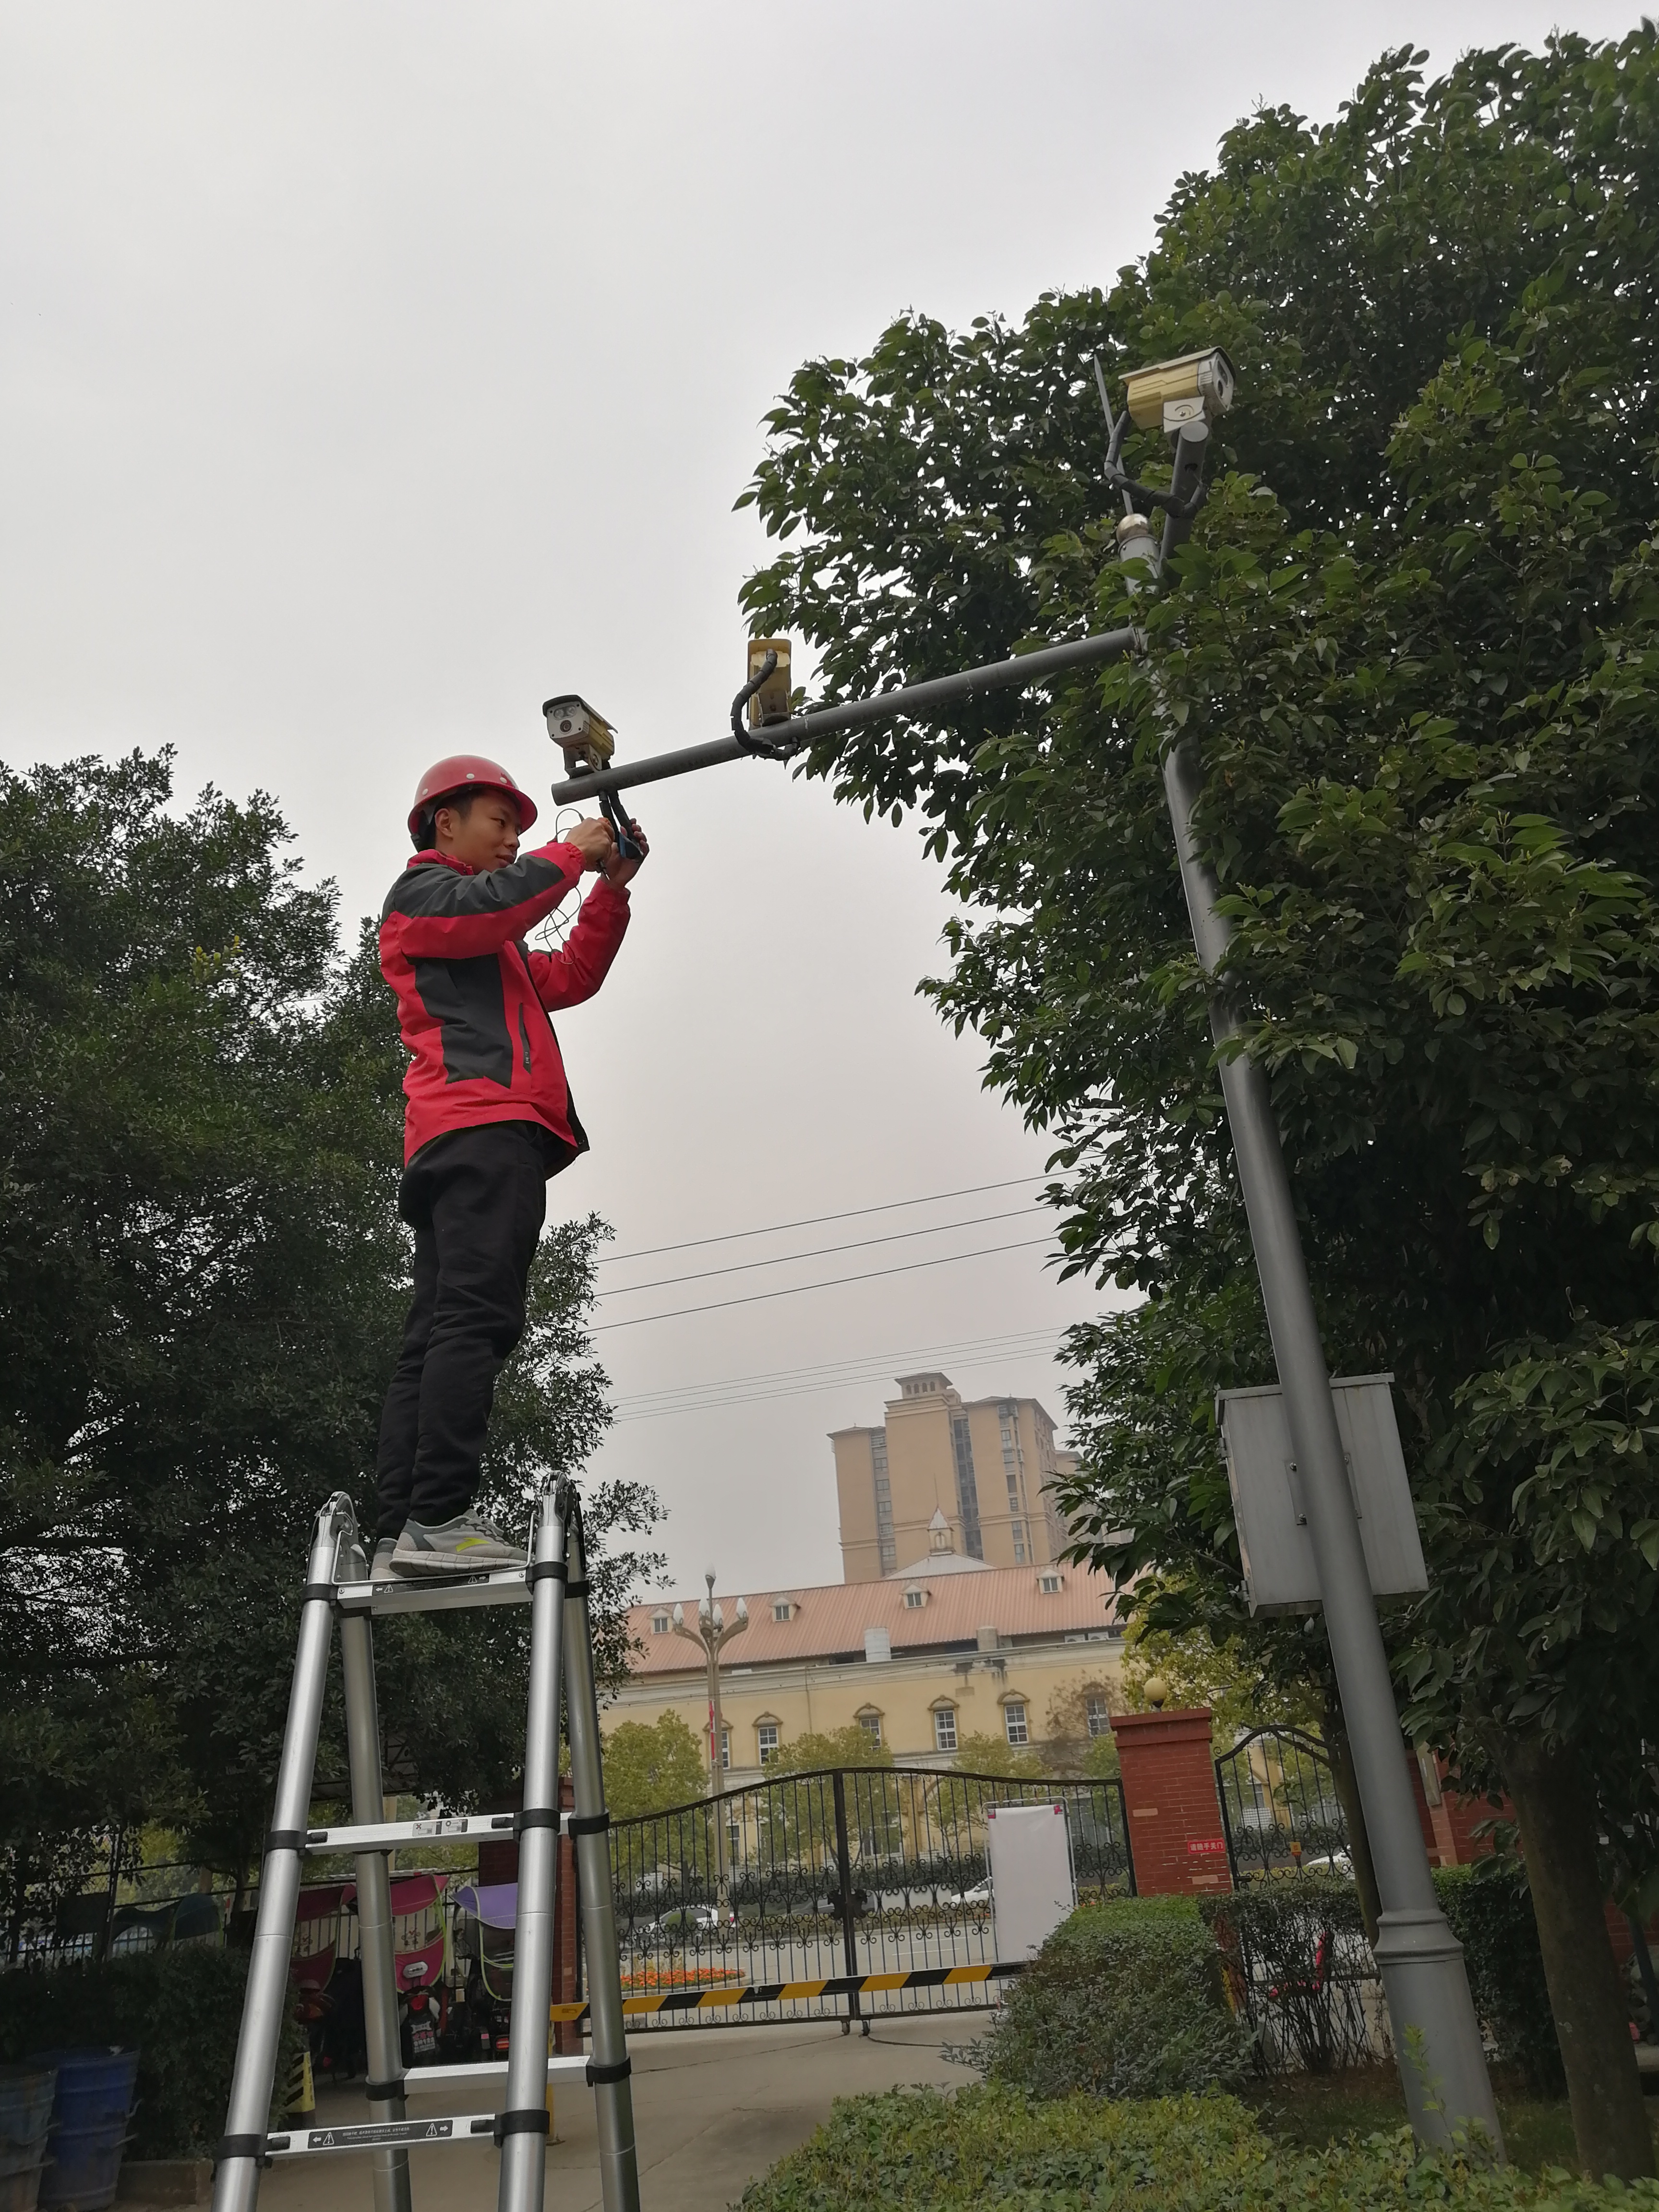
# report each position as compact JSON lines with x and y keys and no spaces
{"x":388,"y":2131}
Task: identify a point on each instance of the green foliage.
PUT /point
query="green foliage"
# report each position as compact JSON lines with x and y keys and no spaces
{"x":995,"y":1754}
{"x":1125,"y":1999}
{"x":1490,"y":1914}
{"x":649,"y":1767}
{"x":1296,"y":1954}
{"x":1416,"y":637}
{"x":180,"y":2008}
{"x":851,"y":1745}
{"x":203,"y":1281}
{"x":918,"y":2150}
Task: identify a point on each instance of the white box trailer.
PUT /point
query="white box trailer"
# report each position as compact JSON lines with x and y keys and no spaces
{"x":1033,"y":1887}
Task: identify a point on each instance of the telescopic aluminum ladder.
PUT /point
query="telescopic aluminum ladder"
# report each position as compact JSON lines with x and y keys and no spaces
{"x":555,"y":1585}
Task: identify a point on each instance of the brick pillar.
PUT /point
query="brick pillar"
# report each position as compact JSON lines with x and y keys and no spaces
{"x":1176,"y":1834}
{"x":499,"y":1863}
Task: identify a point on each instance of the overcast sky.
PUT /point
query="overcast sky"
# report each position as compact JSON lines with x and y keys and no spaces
{"x":371,"y":372}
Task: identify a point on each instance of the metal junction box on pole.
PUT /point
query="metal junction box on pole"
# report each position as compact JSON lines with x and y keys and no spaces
{"x":1270,"y":1510}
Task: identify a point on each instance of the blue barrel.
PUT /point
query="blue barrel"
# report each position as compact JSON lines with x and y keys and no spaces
{"x":94,"y":2086}
{"x":26,"y":2095}
{"x":85,"y":2166}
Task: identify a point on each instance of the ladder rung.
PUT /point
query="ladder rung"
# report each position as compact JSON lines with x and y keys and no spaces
{"x":489,"y":2070}
{"x":435,"y":1593}
{"x":382,"y":2134}
{"x":384,"y":1835}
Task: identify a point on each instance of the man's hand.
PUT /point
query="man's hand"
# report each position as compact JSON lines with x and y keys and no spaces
{"x":595,"y":840}
{"x":619,"y":871}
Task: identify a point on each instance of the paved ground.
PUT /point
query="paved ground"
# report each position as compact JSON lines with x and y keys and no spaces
{"x":713,"y":2108}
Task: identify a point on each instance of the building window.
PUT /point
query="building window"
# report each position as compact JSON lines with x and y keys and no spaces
{"x":1050,"y":1585}
{"x":1099,"y":1714}
{"x":726,"y":1749}
{"x":914,"y":1600}
{"x":1014,"y":1719}
{"x":660,"y":1624}
{"x":967,"y":1488}
{"x":1019,"y":1545}
{"x":766,"y":1735}
{"x":781,"y":1608}
{"x":945,"y":1728}
{"x":885,"y":1542}
{"x":871,"y":1723}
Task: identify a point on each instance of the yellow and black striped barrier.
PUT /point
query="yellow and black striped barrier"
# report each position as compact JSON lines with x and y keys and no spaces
{"x":831,"y":1985}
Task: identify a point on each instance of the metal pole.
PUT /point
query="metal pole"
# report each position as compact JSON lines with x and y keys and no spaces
{"x":844,"y":1872}
{"x":1011,"y":675}
{"x":609,"y":2067}
{"x":1437,"y":2037}
{"x":716,"y":1745}
{"x":378,"y":1965}
{"x":524,"y":2119}
{"x":236,"y":2180}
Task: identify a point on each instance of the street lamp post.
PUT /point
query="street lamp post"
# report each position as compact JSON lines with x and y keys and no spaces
{"x":712,"y":1632}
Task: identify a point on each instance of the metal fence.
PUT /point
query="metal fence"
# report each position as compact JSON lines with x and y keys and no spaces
{"x":1279,"y":1809}
{"x":853,"y":1871}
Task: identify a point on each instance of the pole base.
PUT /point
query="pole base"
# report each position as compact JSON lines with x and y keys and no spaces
{"x":1436,"y":2034}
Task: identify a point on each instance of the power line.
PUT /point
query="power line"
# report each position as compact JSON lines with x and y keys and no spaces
{"x":833,"y":1375}
{"x":815,"y":1220}
{"x":834,"y":1282}
{"x":820,"y":1252}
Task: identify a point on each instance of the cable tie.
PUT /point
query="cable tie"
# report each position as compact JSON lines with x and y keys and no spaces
{"x":286,"y":1840}
{"x":529,"y":2120}
{"x":588,"y":1823}
{"x":598,"y":2074}
{"x":547,"y":1571}
{"x":252,"y":2146}
{"x":536,"y":1816}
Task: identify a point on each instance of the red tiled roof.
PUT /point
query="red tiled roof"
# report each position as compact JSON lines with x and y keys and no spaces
{"x":828,"y":1622}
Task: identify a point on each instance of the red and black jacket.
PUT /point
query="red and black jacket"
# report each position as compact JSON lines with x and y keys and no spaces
{"x":473,"y":999}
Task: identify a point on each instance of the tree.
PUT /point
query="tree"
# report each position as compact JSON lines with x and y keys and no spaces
{"x":650,"y":1766}
{"x":1416,"y":635}
{"x":202,"y":1279}
{"x":823,"y":1749}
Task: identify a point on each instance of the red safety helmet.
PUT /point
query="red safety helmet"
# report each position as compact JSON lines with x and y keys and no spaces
{"x":446,"y":779}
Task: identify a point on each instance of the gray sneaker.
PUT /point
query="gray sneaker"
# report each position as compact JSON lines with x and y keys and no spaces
{"x":468,"y":1545}
{"x":382,"y":1569}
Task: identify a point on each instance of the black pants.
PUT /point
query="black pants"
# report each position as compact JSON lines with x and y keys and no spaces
{"x":476,"y":1200}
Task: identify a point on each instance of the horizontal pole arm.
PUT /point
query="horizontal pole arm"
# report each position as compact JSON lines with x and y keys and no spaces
{"x":790,"y":737}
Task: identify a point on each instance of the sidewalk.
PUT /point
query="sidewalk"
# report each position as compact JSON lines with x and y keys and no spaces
{"x":713,"y":2108}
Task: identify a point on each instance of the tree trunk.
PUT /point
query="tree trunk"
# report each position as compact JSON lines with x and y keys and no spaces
{"x":1353,"y":1813}
{"x":1556,"y":1814}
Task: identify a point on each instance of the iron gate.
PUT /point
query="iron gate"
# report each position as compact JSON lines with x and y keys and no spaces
{"x":1279,"y":1807}
{"x":847,"y":1872}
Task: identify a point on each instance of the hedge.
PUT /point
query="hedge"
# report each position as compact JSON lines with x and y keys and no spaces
{"x":1125,"y":1999}
{"x":1489,"y":1909}
{"x":991,"y":2149}
{"x":181,"y":2008}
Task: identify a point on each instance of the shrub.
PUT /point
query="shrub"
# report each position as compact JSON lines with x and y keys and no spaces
{"x":180,"y":2008}
{"x":1125,"y":1999}
{"x":1489,"y":1909}
{"x":990,"y":2149}
{"x":1297,"y":1964}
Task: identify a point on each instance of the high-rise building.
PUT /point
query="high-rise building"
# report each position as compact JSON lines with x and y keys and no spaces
{"x":948,"y":1480}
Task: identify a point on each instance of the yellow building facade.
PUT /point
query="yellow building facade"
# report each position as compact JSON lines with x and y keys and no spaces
{"x":1030,"y":1656}
{"x":985,"y":1465}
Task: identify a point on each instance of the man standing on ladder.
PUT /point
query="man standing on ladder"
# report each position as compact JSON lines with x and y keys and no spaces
{"x":489,"y":1118}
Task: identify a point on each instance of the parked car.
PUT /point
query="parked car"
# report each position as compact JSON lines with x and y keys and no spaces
{"x":685,"y":1923}
{"x":978,"y":1896}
